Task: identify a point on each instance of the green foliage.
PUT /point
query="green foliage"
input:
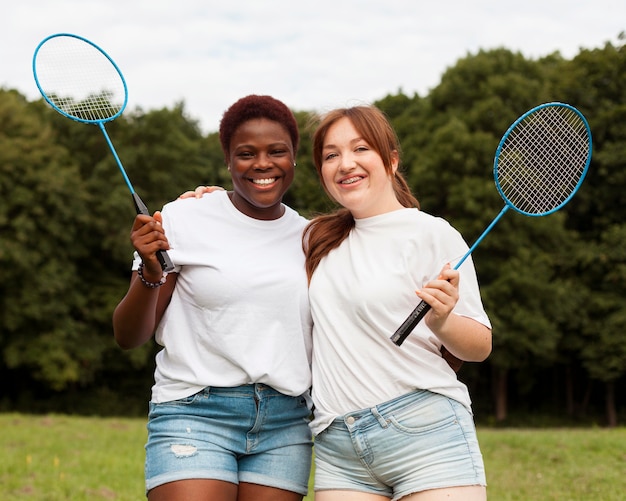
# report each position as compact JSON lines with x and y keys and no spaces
{"x":42,"y":215}
{"x":604,"y":351}
{"x":554,"y":287}
{"x":508,"y":83}
{"x":539,"y":279}
{"x":306,"y":194}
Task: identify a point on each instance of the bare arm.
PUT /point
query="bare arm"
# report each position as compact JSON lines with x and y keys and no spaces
{"x":138,"y":314}
{"x":464,"y":337}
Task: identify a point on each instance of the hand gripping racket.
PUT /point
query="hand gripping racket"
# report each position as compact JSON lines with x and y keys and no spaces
{"x":539,"y":165}
{"x":80,"y":81}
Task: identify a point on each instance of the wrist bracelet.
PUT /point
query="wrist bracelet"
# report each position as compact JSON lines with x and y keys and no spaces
{"x":151,"y":285}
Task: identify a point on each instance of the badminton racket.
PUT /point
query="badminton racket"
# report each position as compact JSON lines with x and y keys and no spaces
{"x":81,"y":81}
{"x":539,"y":165}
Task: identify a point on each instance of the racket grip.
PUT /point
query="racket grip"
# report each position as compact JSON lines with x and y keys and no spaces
{"x":162,"y":256}
{"x":164,"y":259}
{"x":409,"y":324}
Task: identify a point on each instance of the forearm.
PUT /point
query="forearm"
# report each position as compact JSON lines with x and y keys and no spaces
{"x":465,"y":338}
{"x":137,"y":316}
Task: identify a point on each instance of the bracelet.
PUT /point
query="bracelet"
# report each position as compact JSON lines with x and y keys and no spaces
{"x":151,"y":285}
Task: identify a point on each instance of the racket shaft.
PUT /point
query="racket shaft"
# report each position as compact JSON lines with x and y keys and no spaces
{"x":162,"y":256}
{"x":116,"y":156}
{"x":409,"y":324}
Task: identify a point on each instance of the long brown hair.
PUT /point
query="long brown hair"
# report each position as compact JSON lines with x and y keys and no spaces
{"x":324,"y":233}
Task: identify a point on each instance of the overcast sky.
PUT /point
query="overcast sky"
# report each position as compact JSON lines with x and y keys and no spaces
{"x":313,"y":55}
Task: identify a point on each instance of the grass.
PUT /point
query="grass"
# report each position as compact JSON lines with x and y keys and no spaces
{"x":555,"y":464}
{"x":55,"y":457}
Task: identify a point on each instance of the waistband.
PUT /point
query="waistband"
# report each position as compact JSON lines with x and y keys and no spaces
{"x":244,"y":390}
{"x":377,"y":413}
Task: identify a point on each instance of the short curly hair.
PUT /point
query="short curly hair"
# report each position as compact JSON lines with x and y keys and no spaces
{"x":255,"y":106}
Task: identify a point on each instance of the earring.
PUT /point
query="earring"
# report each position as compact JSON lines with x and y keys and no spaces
{"x":294,"y":164}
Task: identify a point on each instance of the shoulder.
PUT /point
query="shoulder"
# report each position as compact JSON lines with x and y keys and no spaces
{"x":437,"y":223}
{"x":295,"y":218}
{"x":421,"y":227}
{"x":188,"y":206}
{"x":413,"y":218}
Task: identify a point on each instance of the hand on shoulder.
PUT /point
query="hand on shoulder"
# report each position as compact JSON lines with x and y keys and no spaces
{"x":200,"y":191}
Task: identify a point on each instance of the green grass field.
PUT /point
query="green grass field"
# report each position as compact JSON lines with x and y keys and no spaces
{"x":57,"y":457}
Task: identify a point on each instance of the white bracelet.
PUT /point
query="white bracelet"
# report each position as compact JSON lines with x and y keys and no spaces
{"x":151,"y":285}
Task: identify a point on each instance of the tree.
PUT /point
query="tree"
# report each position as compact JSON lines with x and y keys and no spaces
{"x":595,"y":80}
{"x":42,"y":216}
{"x":449,"y":143}
{"x":553,"y":287}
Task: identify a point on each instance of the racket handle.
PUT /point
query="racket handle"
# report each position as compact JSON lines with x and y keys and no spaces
{"x":162,"y":256}
{"x":164,"y":259}
{"x":409,"y":324}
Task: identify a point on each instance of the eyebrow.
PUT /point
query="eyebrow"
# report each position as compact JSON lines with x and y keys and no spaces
{"x":352,"y":141}
{"x":269,"y":145}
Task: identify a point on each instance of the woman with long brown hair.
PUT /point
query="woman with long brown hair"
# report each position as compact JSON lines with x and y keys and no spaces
{"x":390,"y":422}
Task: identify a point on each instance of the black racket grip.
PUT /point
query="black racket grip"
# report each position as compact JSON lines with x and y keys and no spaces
{"x":409,"y":324}
{"x":162,"y":256}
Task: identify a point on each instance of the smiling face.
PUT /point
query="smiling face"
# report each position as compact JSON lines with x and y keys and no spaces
{"x":354,"y":174}
{"x":261,"y":164}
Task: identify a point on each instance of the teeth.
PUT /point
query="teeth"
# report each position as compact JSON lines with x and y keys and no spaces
{"x":264,"y":181}
{"x":351,"y":180}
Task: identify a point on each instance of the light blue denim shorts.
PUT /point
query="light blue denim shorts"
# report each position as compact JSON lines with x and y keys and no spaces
{"x":416,"y":442}
{"x":249,"y":433}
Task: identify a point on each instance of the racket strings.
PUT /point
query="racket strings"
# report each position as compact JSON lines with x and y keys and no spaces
{"x":80,"y":80}
{"x":543,"y":160}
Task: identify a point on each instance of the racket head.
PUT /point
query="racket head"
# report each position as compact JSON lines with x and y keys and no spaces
{"x":79,"y":79}
{"x":543,"y":158}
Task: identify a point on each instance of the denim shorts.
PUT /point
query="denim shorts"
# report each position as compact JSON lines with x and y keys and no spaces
{"x":416,"y":442}
{"x":249,"y":433}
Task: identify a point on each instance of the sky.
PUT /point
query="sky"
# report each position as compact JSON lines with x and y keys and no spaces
{"x":312,"y":55}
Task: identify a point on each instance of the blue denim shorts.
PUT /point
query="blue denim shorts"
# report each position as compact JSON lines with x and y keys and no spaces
{"x":249,"y":433}
{"x":416,"y":442}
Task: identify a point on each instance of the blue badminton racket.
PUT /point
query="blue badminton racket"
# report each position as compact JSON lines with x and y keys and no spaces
{"x":539,"y":165}
{"x":81,"y":81}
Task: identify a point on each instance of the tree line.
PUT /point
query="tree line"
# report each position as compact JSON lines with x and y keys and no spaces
{"x":554,"y":287}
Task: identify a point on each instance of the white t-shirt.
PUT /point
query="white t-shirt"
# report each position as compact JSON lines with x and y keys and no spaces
{"x":361,"y":292}
{"x":239,"y":313}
